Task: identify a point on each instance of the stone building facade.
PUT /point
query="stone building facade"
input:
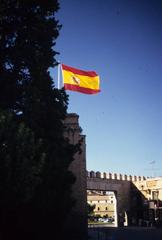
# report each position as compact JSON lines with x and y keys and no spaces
{"x":151,"y":188}
{"x":103,"y":202}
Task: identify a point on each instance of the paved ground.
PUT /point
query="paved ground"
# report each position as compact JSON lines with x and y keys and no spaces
{"x":125,"y":233}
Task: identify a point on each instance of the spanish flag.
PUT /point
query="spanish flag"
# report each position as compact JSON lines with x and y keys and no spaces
{"x":80,"y":81}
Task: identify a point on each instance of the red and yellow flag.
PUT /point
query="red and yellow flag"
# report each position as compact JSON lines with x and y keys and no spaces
{"x":80,"y":81}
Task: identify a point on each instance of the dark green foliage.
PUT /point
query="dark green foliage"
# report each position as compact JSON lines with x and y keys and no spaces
{"x":28,"y":32}
{"x":35,"y":183}
{"x":21,"y":163}
{"x":90,"y":209}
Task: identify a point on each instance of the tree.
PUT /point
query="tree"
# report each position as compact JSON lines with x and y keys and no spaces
{"x":34,"y":156}
{"x":21,"y":162}
{"x":90,"y":209}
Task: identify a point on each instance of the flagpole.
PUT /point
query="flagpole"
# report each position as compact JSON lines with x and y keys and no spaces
{"x":58,"y":75}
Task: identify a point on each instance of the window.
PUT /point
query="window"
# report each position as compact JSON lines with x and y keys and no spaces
{"x":155,"y":195}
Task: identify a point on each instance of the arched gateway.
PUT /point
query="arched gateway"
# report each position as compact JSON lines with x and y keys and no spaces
{"x":121,"y":185}
{"x":121,"y":189}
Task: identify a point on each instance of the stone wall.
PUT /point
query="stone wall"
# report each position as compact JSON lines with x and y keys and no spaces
{"x":115,"y":176}
{"x":120,"y":184}
{"x":121,"y":188}
{"x":78,"y":219}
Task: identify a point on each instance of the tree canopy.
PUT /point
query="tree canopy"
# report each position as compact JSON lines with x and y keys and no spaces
{"x":34,"y":156}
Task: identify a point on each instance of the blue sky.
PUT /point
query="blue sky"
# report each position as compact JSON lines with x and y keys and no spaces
{"x":122,"y":41}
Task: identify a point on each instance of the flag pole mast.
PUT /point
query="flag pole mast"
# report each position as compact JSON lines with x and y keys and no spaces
{"x":58,"y":75}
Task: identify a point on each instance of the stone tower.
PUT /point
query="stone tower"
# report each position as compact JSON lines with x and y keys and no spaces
{"x":77,"y":221}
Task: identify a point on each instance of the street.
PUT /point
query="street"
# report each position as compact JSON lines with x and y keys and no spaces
{"x":125,"y":233}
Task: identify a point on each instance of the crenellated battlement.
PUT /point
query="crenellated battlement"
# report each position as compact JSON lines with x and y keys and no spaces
{"x":115,"y":176}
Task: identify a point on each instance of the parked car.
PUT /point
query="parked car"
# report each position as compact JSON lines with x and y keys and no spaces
{"x":106,"y":220}
{"x":100,"y":219}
